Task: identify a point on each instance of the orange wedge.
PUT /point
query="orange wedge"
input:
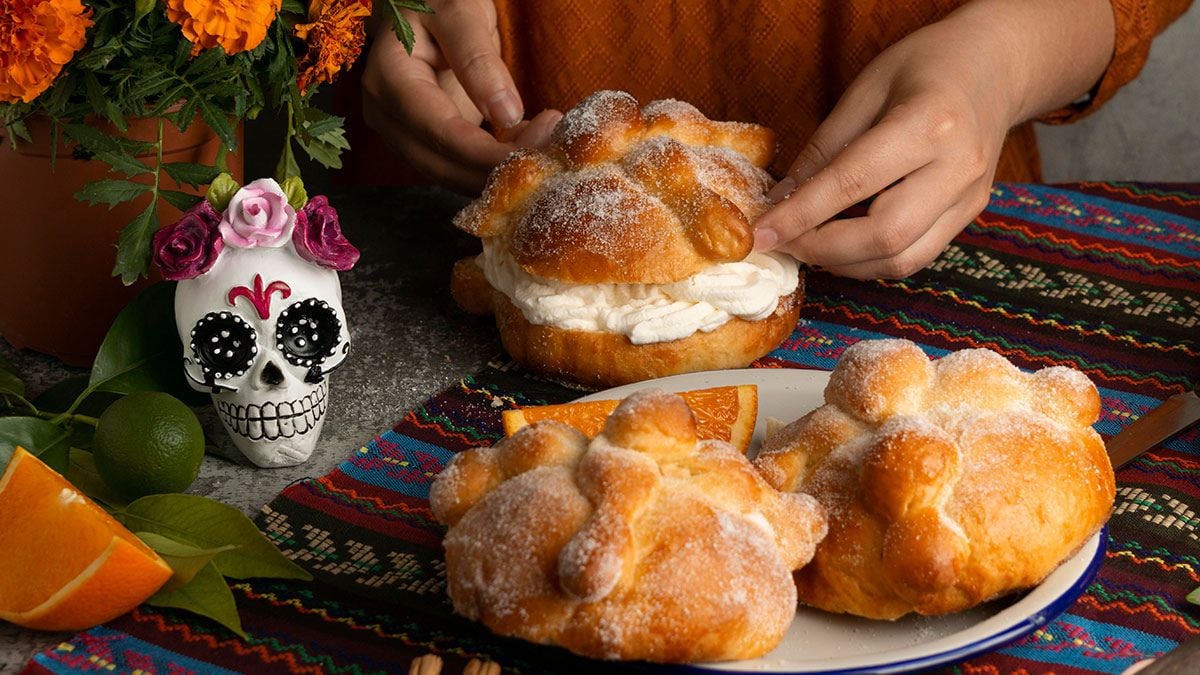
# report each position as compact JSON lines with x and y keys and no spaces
{"x":66,"y":564}
{"x":722,"y":413}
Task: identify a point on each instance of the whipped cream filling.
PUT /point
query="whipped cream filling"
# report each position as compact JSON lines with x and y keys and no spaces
{"x":646,"y":313}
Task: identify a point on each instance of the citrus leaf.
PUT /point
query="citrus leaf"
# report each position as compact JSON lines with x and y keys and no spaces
{"x":133,"y":246}
{"x":207,"y":595}
{"x":111,"y":191}
{"x":61,"y":394}
{"x":185,"y":561}
{"x":10,"y":381}
{"x":49,"y":442}
{"x":141,"y":351}
{"x":81,"y":471}
{"x":205,"y":523}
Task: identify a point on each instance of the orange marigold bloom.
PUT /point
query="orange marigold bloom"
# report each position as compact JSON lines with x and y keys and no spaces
{"x":333,"y":39}
{"x":236,"y":25}
{"x":37,"y":38}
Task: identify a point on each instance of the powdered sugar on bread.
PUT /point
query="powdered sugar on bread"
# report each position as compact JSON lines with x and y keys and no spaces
{"x":644,"y":543}
{"x":947,"y":483}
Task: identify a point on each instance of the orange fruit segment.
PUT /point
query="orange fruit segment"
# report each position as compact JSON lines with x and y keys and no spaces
{"x":66,"y":564}
{"x":722,"y":413}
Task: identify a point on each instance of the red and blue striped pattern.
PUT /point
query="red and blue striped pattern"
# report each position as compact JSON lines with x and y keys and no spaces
{"x":1101,"y":277}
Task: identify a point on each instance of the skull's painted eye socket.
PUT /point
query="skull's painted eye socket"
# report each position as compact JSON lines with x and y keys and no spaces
{"x":224,"y":345}
{"x":308,"y":332}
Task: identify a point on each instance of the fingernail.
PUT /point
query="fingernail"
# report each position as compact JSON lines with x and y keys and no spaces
{"x":765,"y":239}
{"x":504,"y":109}
{"x":782,"y":190}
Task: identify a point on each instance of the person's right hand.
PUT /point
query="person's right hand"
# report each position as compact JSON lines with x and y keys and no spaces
{"x":429,"y":106}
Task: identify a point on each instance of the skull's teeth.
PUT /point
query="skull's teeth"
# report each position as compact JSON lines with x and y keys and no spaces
{"x":271,"y":421}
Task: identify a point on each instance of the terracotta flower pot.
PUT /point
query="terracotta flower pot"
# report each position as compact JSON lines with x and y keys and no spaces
{"x":57,"y":292}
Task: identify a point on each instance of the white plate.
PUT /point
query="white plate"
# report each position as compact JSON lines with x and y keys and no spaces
{"x":819,"y":642}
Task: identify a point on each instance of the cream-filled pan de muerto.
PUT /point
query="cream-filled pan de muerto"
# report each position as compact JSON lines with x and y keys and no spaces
{"x":623,"y":251}
{"x":643,"y":543}
{"x":947,"y":483}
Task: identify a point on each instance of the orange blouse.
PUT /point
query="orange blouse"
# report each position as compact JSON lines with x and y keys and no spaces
{"x":804,"y":55}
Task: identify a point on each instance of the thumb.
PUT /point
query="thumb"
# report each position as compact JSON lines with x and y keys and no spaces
{"x":467,"y":38}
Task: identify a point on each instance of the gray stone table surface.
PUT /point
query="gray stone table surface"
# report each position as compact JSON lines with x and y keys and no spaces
{"x":408,"y":340}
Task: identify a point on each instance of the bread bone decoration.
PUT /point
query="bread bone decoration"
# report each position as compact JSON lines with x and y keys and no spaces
{"x":947,"y":483}
{"x":623,"y":252}
{"x":643,"y":543}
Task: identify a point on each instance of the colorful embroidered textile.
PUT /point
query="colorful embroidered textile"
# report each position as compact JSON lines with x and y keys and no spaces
{"x":1102,"y":277}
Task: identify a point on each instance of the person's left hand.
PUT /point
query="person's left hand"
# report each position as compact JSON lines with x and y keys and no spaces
{"x":920,"y":130}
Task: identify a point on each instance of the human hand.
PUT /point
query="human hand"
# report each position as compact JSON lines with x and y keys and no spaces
{"x":921,"y":130}
{"x":429,"y":105}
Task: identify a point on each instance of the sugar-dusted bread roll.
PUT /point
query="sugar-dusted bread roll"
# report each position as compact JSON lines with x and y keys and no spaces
{"x":947,"y":483}
{"x":643,"y":543}
{"x":623,"y":251}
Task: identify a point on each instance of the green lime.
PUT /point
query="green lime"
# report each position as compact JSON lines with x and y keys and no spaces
{"x":148,"y":443}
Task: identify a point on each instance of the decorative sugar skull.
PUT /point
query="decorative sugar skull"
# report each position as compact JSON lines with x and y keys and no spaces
{"x":259,"y":312}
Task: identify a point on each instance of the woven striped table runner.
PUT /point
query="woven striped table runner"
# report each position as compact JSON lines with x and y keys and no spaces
{"x":1101,"y":277}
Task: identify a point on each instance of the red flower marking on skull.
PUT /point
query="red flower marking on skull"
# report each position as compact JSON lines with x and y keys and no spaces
{"x":258,"y":296}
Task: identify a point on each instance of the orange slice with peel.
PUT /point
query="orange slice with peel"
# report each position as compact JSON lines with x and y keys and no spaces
{"x":722,"y":413}
{"x":66,"y":564}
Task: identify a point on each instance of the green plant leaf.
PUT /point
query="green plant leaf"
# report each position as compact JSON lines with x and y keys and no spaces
{"x":221,"y":190}
{"x":111,"y":191}
{"x":297,"y":196}
{"x":49,"y":442}
{"x":95,"y":140}
{"x":133,"y":246}
{"x":287,"y":166}
{"x":207,"y":595}
{"x":141,"y":8}
{"x":63,"y":393}
{"x":141,"y":350}
{"x":1194,"y":597}
{"x":323,"y":151}
{"x":400,"y":25}
{"x":180,"y":200}
{"x":81,"y":471}
{"x":215,"y":118}
{"x":102,"y":103}
{"x":10,"y":381}
{"x":195,"y":175}
{"x":205,"y":524}
{"x":293,"y":7}
{"x":185,"y":561}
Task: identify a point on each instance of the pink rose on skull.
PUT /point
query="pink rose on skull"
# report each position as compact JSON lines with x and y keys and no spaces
{"x":189,"y":247}
{"x":319,"y":237}
{"x":258,"y":216}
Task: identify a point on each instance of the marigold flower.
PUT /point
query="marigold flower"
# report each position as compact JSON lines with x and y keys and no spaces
{"x":333,"y":39}
{"x":37,"y":38}
{"x":236,"y":25}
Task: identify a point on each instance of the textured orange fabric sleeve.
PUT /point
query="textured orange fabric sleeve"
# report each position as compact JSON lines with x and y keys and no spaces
{"x":1137,"y":23}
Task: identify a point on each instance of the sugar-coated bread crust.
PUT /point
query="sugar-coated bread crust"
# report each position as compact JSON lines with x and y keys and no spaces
{"x":610,"y":359}
{"x":628,"y":195}
{"x":947,"y":483}
{"x":643,"y":543}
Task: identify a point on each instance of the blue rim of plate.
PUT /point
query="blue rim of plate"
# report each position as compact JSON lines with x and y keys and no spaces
{"x":1008,"y":634}
{"x":1002,"y":637}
